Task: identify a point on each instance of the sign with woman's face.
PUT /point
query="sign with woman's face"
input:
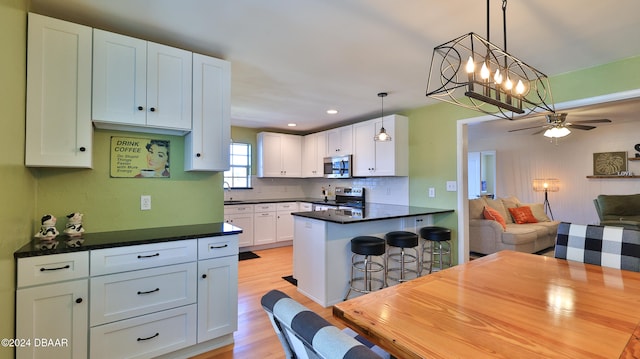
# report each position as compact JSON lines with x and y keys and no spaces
{"x":139,"y":158}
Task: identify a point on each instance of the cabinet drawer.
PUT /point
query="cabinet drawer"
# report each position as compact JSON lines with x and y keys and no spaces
{"x":52,"y":268}
{"x":123,"y":295}
{"x":264,"y":207}
{"x":147,"y":336}
{"x":240,"y":208}
{"x":122,"y":259}
{"x":215,"y":247}
{"x":287,"y":206}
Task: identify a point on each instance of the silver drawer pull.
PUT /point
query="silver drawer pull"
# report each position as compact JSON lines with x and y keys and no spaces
{"x":149,"y":256}
{"x":219,"y":247}
{"x":151,"y":337}
{"x":149,"y":291}
{"x":58,"y":268}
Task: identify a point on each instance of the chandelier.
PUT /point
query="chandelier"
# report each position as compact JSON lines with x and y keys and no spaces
{"x":493,"y":81}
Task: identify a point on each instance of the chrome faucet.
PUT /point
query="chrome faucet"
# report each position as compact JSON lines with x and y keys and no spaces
{"x":226,"y":184}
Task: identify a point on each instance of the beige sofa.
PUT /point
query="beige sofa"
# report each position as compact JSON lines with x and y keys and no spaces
{"x":487,"y":236}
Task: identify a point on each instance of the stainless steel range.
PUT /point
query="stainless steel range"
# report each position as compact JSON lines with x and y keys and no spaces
{"x":350,"y":197}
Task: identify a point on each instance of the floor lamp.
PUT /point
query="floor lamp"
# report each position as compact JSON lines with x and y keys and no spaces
{"x":546,"y":185}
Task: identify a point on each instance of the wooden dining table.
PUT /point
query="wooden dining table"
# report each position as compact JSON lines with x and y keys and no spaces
{"x":504,"y":305}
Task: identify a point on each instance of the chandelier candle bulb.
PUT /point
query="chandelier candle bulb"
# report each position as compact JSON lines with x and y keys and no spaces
{"x":484,"y":74}
{"x":498,"y":79}
{"x":471,"y":67}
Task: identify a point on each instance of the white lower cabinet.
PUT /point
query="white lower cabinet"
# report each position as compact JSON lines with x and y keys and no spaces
{"x":52,"y":302}
{"x":146,"y":336}
{"x":124,"y":295}
{"x":178,"y":298}
{"x":54,"y":311}
{"x":241,"y":216}
{"x":284,"y":221}
{"x":217,"y":309}
{"x":264,"y":222}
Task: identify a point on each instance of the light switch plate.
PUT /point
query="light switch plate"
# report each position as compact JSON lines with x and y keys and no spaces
{"x":452,"y":186}
{"x":432,"y":192}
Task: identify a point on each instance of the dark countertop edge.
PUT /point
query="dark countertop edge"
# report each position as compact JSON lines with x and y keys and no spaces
{"x":330,"y":202}
{"x":131,"y":237}
{"x":349,"y":220}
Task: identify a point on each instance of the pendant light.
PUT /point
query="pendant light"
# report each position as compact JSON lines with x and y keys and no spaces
{"x":382,"y":136}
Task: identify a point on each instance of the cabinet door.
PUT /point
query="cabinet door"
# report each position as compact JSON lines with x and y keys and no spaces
{"x":364,"y":156}
{"x":217,"y":297}
{"x":269,"y":158}
{"x":54,"y":311}
{"x":291,"y":153}
{"x":244,"y":221}
{"x":264,"y":224}
{"x":284,"y":226}
{"x":58,"y":126}
{"x":207,"y":145}
{"x":384,"y":152}
{"x":340,"y":141}
{"x":168,"y":87}
{"x":119,"y":78}
{"x":313,"y":152}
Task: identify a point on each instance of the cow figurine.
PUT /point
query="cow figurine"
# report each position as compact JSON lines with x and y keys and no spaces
{"x":48,"y":229}
{"x":74,"y":225}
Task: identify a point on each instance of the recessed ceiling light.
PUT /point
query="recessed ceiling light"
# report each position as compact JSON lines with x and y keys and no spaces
{"x":332,"y":112}
{"x":292,"y":125}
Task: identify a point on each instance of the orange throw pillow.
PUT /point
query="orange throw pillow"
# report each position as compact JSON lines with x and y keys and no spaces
{"x":522,"y":215}
{"x":490,"y":213}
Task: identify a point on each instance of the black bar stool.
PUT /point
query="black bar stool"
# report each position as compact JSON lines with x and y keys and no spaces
{"x":437,"y":241}
{"x":363,"y":249}
{"x":403,"y":240}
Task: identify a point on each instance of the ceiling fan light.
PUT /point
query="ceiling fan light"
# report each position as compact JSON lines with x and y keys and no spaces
{"x":557,"y":132}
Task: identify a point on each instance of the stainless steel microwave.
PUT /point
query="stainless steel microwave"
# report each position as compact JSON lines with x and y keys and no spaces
{"x":338,"y":167}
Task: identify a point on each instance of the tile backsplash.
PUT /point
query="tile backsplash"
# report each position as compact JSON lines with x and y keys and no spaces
{"x":387,"y":190}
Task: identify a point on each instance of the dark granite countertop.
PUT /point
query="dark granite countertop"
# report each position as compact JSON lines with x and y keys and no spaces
{"x":89,"y":241}
{"x":371,"y":212}
{"x":330,"y":202}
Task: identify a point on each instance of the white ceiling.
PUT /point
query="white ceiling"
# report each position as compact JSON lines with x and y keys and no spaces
{"x":293,"y":60}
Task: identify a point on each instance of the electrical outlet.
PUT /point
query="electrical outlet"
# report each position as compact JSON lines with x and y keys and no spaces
{"x":145,"y":203}
{"x":452,"y":186}
{"x":432,"y":192}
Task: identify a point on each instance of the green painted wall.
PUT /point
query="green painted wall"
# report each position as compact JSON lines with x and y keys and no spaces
{"x":114,"y":203}
{"x":17,"y":183}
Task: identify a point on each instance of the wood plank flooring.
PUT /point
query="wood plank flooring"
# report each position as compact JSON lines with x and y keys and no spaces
{"x":255,"y":337}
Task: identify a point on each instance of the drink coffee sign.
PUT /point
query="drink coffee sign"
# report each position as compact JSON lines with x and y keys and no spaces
{"x":133,"y":157}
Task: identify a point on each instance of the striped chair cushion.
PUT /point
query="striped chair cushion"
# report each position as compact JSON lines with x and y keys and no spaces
{"x":606,"y":246}
{"x":306,"y":335}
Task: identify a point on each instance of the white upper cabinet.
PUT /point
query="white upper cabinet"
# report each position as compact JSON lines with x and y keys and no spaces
{"x":279,"y":155}
{"x":58,"y":113}
{"x":313,"y":152}
{"x":371,"y":158}
{"x":140,"y":85}
{"x":207,"y":145}
{"x":340,"y":141}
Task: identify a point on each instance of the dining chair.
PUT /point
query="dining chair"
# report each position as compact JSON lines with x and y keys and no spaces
{"x":606,"y":246}
{"x":306,"y":335}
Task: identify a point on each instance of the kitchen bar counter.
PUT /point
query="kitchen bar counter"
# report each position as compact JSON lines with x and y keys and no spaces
{"x":322,"y":243}
{"x":371,"y":212}
{"x":88,"y":241}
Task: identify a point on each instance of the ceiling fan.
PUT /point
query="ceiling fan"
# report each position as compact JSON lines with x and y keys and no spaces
{"x":557,"y":126}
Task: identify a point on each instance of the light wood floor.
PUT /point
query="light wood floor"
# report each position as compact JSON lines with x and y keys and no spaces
{"x":255,"y":337}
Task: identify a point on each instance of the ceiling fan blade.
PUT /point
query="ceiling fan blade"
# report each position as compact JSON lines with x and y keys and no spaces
{"x":580,"y":127}
{"x":601,"y":120}
{"x":526,"y":128}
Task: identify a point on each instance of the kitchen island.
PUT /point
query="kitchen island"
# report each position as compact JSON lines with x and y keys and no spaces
{"x":322,"y":243}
